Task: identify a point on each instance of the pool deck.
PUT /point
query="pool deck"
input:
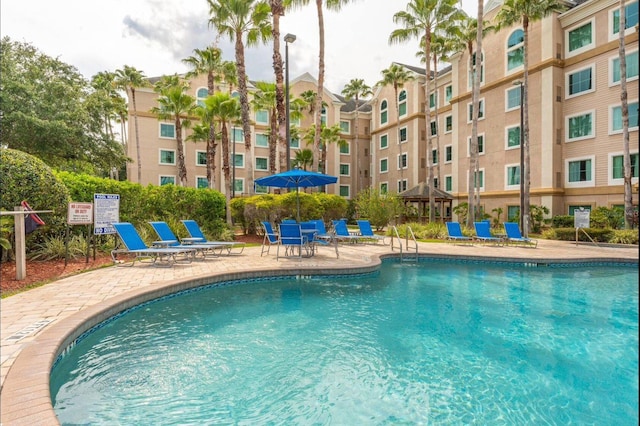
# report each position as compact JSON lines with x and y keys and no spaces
{"x":35,"y":324}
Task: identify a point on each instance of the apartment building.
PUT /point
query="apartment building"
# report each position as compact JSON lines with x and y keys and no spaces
{"x":574,"y":120}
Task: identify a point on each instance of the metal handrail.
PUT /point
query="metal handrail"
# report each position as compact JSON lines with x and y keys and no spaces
{"x":413,"y":238}
{"x":410,"y":235}
{"x":394,"y":235}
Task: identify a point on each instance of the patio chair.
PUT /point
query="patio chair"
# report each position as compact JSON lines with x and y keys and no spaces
{"x":322,"y":238}
{"x":169,"y":239}
{"x":197,"y":236}
{"x":291,"y":238}
{"x":159,"y":256}
{"x":483,"y":233}
{"x":341,"y":232}
{"x":515,"y":237}
{"x":455,"y":234}
{"x":270,"y":238}
{"x":367,"y":232}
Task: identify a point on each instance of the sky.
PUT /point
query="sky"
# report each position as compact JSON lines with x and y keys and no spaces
{"x":155,"y":35}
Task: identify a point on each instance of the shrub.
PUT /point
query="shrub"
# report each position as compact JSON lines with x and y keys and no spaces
{"x":624,"y":236}
{"x":569,"y":234}
{"x":603,"y":217}
{"x":423,"y":231}
{"x":562,"y":221}
{"x":380,"y":208}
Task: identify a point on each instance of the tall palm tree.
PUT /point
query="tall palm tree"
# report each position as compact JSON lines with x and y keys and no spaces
{"x":240,"y":19}
{"x":277,"y":10}
{"x":628,"y":193}
{"x":523,"y":12}
{"x":329,"y":135}
{"x":225,"y":110}
{"x":334,"y":5}
{"x":396,"y":76}
{"x":176,"y":105}
{"x":420,"y":20}
{"x":207,"y":61}
{"x":130,"y":79}
{"x":265,"y":99}
{"x":354,"y":90}
{"x":303,"y":159}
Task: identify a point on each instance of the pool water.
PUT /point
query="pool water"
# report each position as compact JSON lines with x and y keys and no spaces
{"x":438,"y":343}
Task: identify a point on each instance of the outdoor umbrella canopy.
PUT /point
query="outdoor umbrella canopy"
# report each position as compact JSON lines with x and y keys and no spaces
{"x":296,"y":178}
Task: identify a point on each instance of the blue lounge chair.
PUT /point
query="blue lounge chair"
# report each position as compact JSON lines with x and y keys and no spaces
{"x":197,"y":236}
{"x":515,"y":237}
{"x":483,"y":233}
{"x":270,"y":238}
{"x":367,"y":232}
{"x":291,"y":238}
{"x":159,"y":256}
{"x":169,"y":239}
{"x":341,"y":232}
{"x":455,"y":234}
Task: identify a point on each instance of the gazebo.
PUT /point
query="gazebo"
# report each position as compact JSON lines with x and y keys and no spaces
{"x":419,"y":197}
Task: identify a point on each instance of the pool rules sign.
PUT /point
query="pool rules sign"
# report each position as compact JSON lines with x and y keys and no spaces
{"x":106,"y":211}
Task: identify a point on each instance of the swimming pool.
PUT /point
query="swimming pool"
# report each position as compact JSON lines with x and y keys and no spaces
{"x":440,"y":342}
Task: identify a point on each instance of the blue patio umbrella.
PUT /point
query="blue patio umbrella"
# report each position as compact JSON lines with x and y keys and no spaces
{"x":296,"y":178}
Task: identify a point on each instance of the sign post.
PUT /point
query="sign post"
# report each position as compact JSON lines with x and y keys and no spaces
{"x":581,"y":219}
{"x":106,"y":212}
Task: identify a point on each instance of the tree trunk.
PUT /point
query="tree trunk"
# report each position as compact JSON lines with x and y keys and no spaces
{"x":276,"y":11}
{"x":182,"y":168}
{"x":246,"y":120}
{"x":427,"y":92}
{"x":624,"y":106}
{"x":226,"y":170}
{"x":318,"y":107}
{"x":211,"y":140}
{"x":476,"y":108}
{"x":135,"y":123}
{"x":435,"y":90}
{"x":526,"y":226}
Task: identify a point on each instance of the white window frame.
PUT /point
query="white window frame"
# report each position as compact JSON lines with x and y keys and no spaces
{"x":263,"y":158}
{"x":347,"y":145}
{"x":266,"y":137}
{"x":580,"y":138}
{"x":508,"y":49}
{"x":506,"y":137}
{"x":506,"y":99}
{"x":589,"y":46}
{"x":618,"y":181}
{"x":385,"y":159}
{"x":386,"y":186}
{"x":484,"y":179}
{"x":160,"y":151}
{"x":348,"y":131}
{"x":406,"y":161}
{"x":348,"y":168}
{"x":238,"y":154}
{"x":405,"y":102}
{"x":198,"y":178}
{"x":198,"y":152}
{"x":506,"y":177}
{"x":433,"y":122}
{"x":406,"y":132}
{"x":568,"y":74}
{"x":262,"y":111}
{"x":611,"y":68}
{"x":160,"y":177}
{"x":445,"y":123}
{"x":200,"y":99}
{"x":444,"y":160}
{"x":348,"y":187}
{"x":585,"y":184}
{"x":435,"y":100}
{"x":481,"y":107}
{"x":614,"y":36}
{"x":386,"y":135}
{"x":484,"y":145}
{"x":482,"y":71}
{"x":445,"y":183}
{"x":448,"y":101}
{"x":241,"y":181}
{"x":403,"y":185}
{"x":386,"y":109}
{"x":166,"y":137}
{"x":615,"y":106}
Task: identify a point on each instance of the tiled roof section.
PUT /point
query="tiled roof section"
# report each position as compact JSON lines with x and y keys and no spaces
{"x":421,"y":191}
{"x":350,"y":105}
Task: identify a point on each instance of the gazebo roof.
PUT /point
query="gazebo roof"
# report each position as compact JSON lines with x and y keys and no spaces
{"x":421,"y":192}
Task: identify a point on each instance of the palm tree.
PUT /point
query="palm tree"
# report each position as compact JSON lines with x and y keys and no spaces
{"x":225,"y":109}
{"x":130,"y":79}
{"x":354,"y":90}
{"x":421,"y":19}
{"x":265,"y":99}
{"x":303,"y":159}
{"x":207,"y":61}
{"x":628,"y":193}
{"x":524,"y":12}
{"x":176,"y":105}
{"x":277,"y":10}
{"x":329,"y":135}
{"x":334,"y":5}
{"x":396,"y":76}
{"x":239,"y":19}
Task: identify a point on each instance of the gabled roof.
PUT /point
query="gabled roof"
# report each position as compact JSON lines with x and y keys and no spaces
{"x":421,"y":192}
{"x":420,"y":70}
{"x":350,"y":105}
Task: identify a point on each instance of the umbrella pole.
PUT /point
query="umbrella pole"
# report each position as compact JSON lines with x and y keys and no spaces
{"x":298,"y":202}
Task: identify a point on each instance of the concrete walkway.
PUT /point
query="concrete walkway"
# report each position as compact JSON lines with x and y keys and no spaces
{"x":37,"y":324}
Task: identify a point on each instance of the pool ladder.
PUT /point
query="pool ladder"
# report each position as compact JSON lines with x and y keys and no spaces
{"x":409,"y":238}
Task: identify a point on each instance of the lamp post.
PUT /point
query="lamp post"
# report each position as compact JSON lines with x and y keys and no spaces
{"x":289,"y":38}
{"x":519,"y":83}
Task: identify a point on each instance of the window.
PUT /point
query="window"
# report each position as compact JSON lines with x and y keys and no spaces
{"x":295,"y":143}
{"x":448,"y":153}
{"x":616,"y":162}
{"x":168,"y":156}
{"x":237,"y":135}
{"x":239,"y":161}
{"x":433,"y":99}
{"x":402,"y":161}
{"x":448,"y":123}
{"x":448,"y":93}
{"x":384,"y":141}
{"x":201,"y":95}
{"x":480,"y":145}
{"x":513,"y":214}
{"x":479,"y":179}
{"x":403,"y":135}
{"x":345,"y":148}
{"x":262,"y":140}
{"x":402,"y":103}
{"x":201,"y":158}
{"x":384,"y":165}
{"x":580,"y":126}
{"x":480,"y":112}
{"x":383,"y":112}
{"x":515,"y":50}
{"x":345,"y":127}
{"x":580,"y":38}
{"x":238,"y":186}
{"x":471,"y":69}
{"x":436,"y":182}
{"x":513,"y":177}
{"x":261,"y":189}
{"x":167,"y":130}
{"x":167,"y":180}
{"x":630,"y":18}
{"x":323,"y":116}
{"x":448,"y":183}
{"x":513,"y":98}
{"x":402,"y":185}
{"x":384,"y":188}
{"x":616,"y":117}
{"x":580,"y":82}
{"x":202,"y":182}
{"x":579,"y":172}
{"x":344,"y":190}
{"x":344,"y":169}
{"x":262,"y":116}
{"x":513,"y":137}
{"x":434,"y":156}
{"x":262,"y":163}
{"x":434,"y":128}
{"x":632,"y":67}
